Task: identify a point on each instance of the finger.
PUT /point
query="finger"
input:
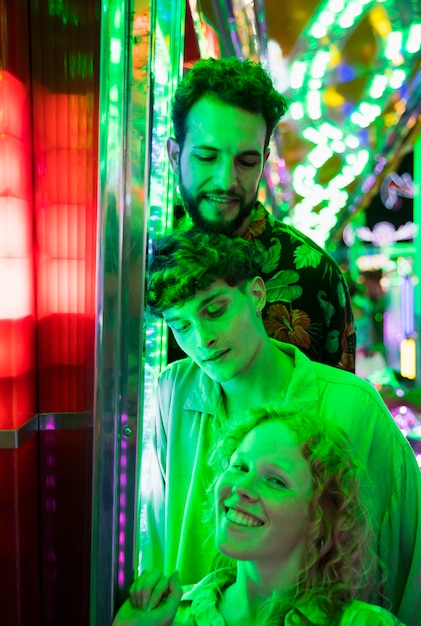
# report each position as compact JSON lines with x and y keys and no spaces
{"x":175,"y":593}
{"x":143,"y":586}
{"x":175,"y":585}
{"x":170,"y":599}
{"x":161,"y":590}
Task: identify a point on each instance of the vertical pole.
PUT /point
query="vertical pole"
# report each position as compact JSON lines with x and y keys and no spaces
{"x":417,"y":255}
{"x":121,"y":257}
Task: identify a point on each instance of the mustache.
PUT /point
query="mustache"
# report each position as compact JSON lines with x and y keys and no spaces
{"x":220,"y":194}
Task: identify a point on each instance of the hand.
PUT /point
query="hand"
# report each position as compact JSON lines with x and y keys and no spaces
{"x":154,"y":600}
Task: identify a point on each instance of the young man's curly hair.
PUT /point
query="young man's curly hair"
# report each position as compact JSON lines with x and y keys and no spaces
{"x":188,"y":261}
{"x":240,"y":83}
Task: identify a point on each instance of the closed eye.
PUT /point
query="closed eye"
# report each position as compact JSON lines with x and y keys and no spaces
{"x":205,"y":158}
{"x":180,"y":329}
{"x":248,"y":164}
{"x":216,"y":312}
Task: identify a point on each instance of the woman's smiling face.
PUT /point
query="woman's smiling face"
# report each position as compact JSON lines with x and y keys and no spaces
{"x":262,"y":498}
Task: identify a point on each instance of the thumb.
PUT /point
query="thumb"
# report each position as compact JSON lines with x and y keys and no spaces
{"x":174,"y":583}
{"x":175,"y":591}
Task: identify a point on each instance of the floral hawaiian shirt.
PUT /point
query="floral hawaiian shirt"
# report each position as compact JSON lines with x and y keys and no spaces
{"x":308,"y":301}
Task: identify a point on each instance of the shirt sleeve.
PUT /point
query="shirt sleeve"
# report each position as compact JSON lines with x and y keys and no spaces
{"x":153,"y":536}
{"x":362,"y":614}
{"x":400,"y":538}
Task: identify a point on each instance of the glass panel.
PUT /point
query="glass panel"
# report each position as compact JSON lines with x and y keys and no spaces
{"x":166,"y":67}
{"x":124,"y":106}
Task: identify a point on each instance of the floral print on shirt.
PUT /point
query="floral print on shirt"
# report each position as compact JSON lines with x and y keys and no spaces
{"x":308,"y":302}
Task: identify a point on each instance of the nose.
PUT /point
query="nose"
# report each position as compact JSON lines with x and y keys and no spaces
{"x":205,"y":336}
{"x":226,"y":174}
{"x":244,"y":487}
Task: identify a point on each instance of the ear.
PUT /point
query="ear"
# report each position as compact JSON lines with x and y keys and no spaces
{"x":267,"y":153}
{"x":257,"y":290}
{"x":173,"y":150}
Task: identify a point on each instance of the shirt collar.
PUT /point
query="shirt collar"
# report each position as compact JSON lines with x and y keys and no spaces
{"x":204,"y":596}
{"x":302,"y":392}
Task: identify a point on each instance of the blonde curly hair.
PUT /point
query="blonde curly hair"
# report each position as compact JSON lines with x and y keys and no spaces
{"x":340,"y":558}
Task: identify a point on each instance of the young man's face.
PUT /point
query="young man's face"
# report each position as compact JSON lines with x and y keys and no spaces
{"x":219,"y":328}
{"x":220,"y":165}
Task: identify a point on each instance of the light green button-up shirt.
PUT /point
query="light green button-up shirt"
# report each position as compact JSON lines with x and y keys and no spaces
{"x":188,"y":405}
{"x":198,"y":607}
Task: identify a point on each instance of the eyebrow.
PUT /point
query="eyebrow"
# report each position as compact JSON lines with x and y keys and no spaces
{"x":287,"y":467}
{"x":203,"y":303}
{"x":243,"y":153}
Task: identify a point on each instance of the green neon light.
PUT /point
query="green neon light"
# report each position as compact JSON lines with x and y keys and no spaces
{"x":316,"y":55}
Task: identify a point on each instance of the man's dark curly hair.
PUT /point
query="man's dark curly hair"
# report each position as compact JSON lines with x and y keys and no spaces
{"x":241,"y":83}
{"x":185,"y":262}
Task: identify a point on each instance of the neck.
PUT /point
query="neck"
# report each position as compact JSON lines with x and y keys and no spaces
{"x":262,"y":384}
{"x":253,"y":586}
{"x":241,"y":231}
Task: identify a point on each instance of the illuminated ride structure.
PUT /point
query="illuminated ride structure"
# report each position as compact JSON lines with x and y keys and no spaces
{"x":85,"y":187}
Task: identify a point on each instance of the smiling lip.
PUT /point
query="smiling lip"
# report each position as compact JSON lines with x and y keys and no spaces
{"x":240,"y":517}
{"x":215,"y":357}
{"x":221,"y":199}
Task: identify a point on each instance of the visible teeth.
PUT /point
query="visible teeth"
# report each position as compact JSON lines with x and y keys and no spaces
{"x":220,"y":200}
{"x":242,"y":519}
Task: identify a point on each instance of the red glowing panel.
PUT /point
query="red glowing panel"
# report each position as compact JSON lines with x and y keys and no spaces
{"x":13,"y":167}
{"x":13,"y":106}
{"x":15,"y":227}
{"x":61,"y":286}
{"x":62,"y":231}
{"x":66,"y":338}
{"x":17,"y":300}
{"x":66,"y":176}
{"x":17,"y":347}
{"x":65,"y":118}
{"x":16,"y":288}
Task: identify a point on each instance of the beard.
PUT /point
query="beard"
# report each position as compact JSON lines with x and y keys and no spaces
{"x":218,"y":225}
